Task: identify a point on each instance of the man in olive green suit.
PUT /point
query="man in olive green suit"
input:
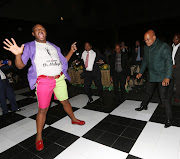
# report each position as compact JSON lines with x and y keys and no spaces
{"x":157,"y":58}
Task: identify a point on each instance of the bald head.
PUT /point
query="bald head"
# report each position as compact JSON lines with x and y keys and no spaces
{"x":150,"y":32}
{"x":149,"y":37}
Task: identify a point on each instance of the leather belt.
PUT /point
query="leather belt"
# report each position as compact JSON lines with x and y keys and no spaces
{"x":52,"y":77}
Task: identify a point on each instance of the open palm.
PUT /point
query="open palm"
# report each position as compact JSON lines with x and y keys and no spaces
{"x":16,"y":50}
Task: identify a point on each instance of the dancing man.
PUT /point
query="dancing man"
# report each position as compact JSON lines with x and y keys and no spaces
{"x":157,"y":58}
{"x":47,"y":74}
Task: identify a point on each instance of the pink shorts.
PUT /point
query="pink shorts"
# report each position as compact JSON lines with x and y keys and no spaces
{"x":45,"y":87}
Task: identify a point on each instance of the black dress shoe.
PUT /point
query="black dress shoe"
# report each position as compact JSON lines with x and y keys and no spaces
{"x":17,"y":110}
{"x":168,"y":123}
{"x":90,"y":100}
{"x":141,"y":108}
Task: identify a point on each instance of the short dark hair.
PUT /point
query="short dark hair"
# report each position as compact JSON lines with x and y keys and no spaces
{"x":33,"y":28}
{"x":117,"y":44}
{"x":35,"y":25}
{"x":88,"y":43}
{"x":178,"y":35}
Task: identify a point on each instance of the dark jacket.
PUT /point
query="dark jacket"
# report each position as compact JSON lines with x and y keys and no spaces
{"x":124,"y":64}
{"x":177,"y":70}
{"x":4,"y":68}
{"x":177,"y":61}
{"x":157,"y":58}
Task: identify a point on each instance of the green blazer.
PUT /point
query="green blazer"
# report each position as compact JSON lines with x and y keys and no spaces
{"x":157,"y":58}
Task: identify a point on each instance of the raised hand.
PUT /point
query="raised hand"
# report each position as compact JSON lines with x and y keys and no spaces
{"x":73,"y":47}
{"x":16,"y":50}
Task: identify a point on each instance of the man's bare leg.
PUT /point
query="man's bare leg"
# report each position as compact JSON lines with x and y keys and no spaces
{"x":68,"y":109}
{"x":40,"y":121}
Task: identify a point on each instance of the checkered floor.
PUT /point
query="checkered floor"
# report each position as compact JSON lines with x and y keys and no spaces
{"x":112,"y":131}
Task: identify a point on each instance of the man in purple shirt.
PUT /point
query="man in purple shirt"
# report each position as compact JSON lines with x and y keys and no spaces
{"x":46,"y":74}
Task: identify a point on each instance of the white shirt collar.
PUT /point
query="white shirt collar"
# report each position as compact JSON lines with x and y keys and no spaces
{"x":175,"y":45}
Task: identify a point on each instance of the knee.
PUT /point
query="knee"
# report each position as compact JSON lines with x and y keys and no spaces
{"x":65,"y":102}
{"x":42,"y":111}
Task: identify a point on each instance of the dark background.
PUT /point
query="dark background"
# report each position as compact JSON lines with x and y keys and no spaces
{"x":101,"y":22}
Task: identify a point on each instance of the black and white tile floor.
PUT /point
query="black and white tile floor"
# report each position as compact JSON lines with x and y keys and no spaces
{"x":111,"y":131}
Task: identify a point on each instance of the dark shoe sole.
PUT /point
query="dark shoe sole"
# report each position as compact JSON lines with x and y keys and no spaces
{"x":140,"y":109}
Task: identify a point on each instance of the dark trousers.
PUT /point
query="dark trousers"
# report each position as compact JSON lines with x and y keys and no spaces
{"x":119,"y":77}
{"x":175,"y":83}
{"x":89,"y":76}
{"x":164,"y":93}
{"x":171,"y":88}
{"x":6,"y":91}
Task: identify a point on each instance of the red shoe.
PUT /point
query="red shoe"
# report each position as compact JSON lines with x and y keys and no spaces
{"x":39,"y":145}
{"x":79,"y":122}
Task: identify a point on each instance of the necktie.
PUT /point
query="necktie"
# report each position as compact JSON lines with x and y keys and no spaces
{"x":87,"y":59}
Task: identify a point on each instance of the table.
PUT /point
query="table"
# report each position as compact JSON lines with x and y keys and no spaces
{"x":75,"y":77}
{"x":105,"y":77}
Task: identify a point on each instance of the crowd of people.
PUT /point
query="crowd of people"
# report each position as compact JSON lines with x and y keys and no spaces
{"x":49,"y":66}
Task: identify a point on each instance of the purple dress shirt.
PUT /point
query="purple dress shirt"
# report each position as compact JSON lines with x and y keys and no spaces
{"x":29,"y":52}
